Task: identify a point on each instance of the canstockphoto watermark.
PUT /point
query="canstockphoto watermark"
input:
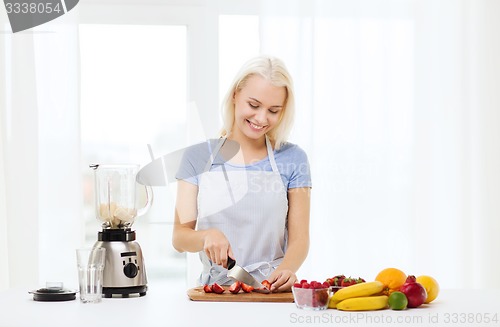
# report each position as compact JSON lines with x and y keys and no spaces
{"x":431,"y":318}
{"x":355,"y":318}
{"x":25,"y":14}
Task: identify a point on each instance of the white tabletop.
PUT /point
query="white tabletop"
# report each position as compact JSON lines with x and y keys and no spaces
{"x":166,"y":304}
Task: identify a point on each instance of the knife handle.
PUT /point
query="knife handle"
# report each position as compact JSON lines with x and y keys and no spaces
{"x":230,"y":263}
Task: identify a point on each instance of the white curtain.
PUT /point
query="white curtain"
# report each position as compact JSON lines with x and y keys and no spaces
{"x":40,"y":191}
{"x":19,"y":160}
{"x":398,"y":109}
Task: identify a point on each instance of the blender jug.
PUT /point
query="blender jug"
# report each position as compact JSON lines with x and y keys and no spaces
{"x":115,"y":190}
{"x":116,"y":193}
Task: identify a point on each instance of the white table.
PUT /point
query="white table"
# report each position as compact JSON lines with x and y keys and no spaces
{"x":166,"y":304}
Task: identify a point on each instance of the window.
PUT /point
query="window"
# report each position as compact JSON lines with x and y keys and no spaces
{"x":133,"y":93}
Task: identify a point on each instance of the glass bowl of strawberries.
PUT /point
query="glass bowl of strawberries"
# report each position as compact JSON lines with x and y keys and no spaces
{"x":311,"y":295}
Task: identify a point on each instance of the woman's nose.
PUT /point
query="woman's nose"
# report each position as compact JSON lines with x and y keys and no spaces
{"x":261,"y":116}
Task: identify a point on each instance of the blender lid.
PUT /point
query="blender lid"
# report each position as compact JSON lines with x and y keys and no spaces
{"x":53,"y":295}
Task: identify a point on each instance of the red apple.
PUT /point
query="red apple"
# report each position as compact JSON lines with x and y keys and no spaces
{"x":415,"y":292}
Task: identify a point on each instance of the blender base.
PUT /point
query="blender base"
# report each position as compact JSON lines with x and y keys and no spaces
{"x":108,"y":292}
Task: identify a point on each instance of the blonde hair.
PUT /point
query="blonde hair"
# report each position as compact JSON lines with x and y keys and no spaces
{"x":274,"y":70}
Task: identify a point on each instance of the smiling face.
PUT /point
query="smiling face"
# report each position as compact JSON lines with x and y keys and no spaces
{"x":258,"y":107}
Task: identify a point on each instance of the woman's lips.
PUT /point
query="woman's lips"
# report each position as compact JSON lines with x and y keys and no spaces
{"x":255,"y":127}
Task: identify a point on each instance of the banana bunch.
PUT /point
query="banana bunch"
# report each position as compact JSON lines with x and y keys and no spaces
{"x":359,"y":297}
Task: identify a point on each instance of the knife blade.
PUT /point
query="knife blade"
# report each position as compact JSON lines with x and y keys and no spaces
{"x":238,"y":273}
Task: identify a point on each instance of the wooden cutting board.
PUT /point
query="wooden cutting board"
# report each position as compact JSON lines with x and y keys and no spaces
{"x":198,"y":294}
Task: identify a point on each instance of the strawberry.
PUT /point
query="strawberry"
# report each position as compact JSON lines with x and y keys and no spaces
{"x":348,"y":282}
{"x":360,"y":280}
{"x":320,"y":298}
{"x":336,"y":280}
{"x":247,"y":288}
{"x":235,"y":288}
{"x":266,"y":284}
{"x":207,"y":288}
{"x":318,"y":285}
{"x":216,"y":288}
{"x":313,"y":294}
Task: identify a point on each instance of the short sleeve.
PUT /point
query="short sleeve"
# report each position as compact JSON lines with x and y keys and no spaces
{"x":300,"y":175}
{"x":293,"y":164}
{"x":193,"y":162}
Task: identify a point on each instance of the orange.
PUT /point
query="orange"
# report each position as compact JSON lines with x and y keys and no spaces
{"x":430,"y":285}
{"x":392,"y":278}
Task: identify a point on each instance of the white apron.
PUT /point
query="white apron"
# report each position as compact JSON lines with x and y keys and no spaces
{"x":250,"y":208}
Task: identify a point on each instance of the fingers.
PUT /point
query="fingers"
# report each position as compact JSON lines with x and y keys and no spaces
{"x":217,"y":255}
{"x":216,"y":247}
{"x":223,"y":257}
{"x":282,"y":281}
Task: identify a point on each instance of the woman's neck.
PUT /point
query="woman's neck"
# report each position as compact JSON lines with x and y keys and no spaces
{"x":251,"y":150}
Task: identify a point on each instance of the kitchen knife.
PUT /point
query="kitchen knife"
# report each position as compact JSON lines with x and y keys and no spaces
{"x":238,"y":273}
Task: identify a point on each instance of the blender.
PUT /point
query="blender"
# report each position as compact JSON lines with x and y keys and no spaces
{"x":115,"y":190}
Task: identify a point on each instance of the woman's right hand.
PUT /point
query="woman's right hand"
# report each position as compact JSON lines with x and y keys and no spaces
{"x":217,"y":247}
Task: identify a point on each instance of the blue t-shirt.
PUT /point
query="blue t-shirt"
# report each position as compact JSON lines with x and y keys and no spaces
{"x":291,"y":161}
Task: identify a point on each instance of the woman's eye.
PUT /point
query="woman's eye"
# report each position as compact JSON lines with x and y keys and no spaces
{"x":273,"y":111}
{"x":253,"y":105}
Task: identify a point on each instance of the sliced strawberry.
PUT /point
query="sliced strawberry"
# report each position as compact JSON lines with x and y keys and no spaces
{"x":216,"y":288}
{"x":266,"y":284}
{"x":235,"y":288}
{"x":247,"y":288}
{"x":207,"y":289}
{"x":297,"y":285}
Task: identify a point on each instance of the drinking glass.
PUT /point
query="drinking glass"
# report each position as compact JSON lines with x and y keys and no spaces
{"x":90,"y":264}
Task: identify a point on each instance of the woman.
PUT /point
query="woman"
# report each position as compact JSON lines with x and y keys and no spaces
{"x":247,"y":195}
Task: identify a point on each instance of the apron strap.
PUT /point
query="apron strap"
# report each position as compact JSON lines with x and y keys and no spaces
{"x":214,"y":153}
{"x":270,"y":154}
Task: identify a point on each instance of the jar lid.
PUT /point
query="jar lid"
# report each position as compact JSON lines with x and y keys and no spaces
{"x":49,"y":294}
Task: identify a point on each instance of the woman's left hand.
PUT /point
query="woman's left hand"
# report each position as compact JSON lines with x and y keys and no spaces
{"x":282,"y":280}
